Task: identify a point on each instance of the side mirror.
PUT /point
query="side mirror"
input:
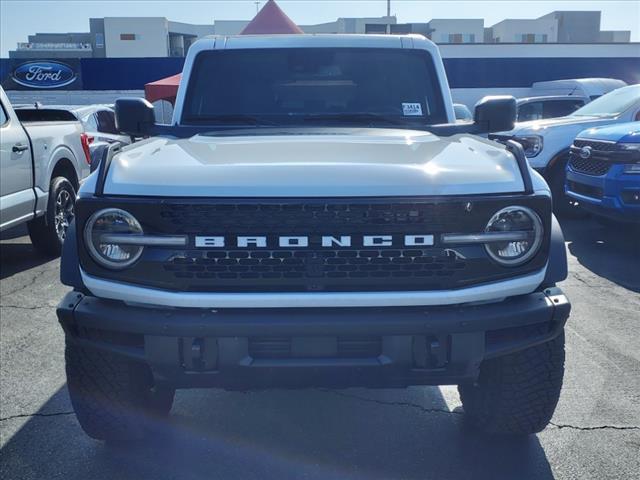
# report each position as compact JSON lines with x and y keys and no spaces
{"x":135,"y":117}
{"x":495,"y":114}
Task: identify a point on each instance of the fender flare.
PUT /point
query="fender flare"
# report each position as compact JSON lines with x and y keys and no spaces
{"x":61,"y":152}
{"x":557,"y":269}
{"x":551,"y":166}
{"x":70,"y":261}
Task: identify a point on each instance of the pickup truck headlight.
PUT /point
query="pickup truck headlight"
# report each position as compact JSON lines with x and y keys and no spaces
{"x":108,"y":252}
{"x":630,"y":147}
{"x":532,"y":144}
{"x":522,"y":228}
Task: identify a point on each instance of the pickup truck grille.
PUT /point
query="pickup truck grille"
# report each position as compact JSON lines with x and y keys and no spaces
{"x":596,"y":145}
{"x":357,"y":267}
{"x":589,"y":166}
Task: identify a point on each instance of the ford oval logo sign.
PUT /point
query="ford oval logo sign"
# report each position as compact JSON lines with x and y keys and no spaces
{"x":585,"y":152}
{"x":44,"y":74}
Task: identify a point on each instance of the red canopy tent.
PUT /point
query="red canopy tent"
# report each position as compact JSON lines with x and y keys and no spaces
{"x":269,"y":20}
{"x":164,"y":89}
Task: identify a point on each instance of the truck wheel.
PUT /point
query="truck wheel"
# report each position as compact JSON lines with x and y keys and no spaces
{"x":114,"y":399}
{"x":516,"y":394}
{"x":48,"y":232}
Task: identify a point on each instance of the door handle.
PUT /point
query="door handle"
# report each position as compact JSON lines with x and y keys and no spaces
{"x":19,"y":147}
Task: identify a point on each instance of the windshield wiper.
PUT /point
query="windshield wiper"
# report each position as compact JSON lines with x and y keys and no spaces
{"x":234,"y":119}
{"x":353,"y":118}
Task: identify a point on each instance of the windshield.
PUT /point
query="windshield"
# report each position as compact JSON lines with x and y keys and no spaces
{"x":292,"y":86}
{"x":611,"y":104}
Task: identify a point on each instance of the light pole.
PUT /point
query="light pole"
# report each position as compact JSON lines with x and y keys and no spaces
{"x":257,"y":6}
{"x":388,"y":16}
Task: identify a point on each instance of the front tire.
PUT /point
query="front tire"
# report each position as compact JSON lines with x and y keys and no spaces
{"x":114,"y":398}
{"x":48,"y":232}
{"x":516,"y":394}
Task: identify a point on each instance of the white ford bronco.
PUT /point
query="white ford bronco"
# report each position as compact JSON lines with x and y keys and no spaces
{"x":314,"y":217}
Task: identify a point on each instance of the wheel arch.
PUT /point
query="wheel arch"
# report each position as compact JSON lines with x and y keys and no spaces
{"x":554,"y":163}
{"x":65,"y":168}
{"x":61,"y":161}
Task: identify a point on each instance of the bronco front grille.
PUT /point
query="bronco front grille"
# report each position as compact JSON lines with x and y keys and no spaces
{"x":589,"y":166}
{"x":331,"y":264}
{"x":398,"y":267}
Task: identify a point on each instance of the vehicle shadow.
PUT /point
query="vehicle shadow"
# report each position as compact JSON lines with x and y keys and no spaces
{"x":611,"y":251}
{"x":17,"y":254}
{"x":281,"y":434}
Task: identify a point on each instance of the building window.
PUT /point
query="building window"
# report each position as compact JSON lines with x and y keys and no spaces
{"x":375,"y":28}
{"x":127,"y":36}
{"x":459,"y":38}
{"x":401,"y":28}
{"x":532,"y":38}
{"x":99,"y":40}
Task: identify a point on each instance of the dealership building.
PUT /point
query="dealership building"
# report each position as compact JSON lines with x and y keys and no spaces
{"x":119,"y":55}
{"x":122,"y":37}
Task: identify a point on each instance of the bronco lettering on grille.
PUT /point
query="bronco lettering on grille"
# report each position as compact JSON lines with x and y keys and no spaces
{"x":303,"y":241}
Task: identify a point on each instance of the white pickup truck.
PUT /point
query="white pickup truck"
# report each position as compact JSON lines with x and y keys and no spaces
{"x":42,"y":161}
{"x":547,"y":142}
{"x":314,"y":217}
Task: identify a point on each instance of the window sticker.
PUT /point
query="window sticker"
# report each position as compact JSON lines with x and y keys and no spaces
{"x":412,"y":109}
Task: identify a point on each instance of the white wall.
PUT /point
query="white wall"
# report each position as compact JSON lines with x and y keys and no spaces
{"x":510,"y":30}
{"x":229,"y":27}
{"x":152,"y":37}
{"x":442,"y":28}
{"x":544,"y":50}
{"x":330,"y":27}
{"x":70,"y":97}
{"x":191,"y":29}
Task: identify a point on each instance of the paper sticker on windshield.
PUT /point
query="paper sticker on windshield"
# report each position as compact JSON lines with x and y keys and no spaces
{"x":412,"y":109}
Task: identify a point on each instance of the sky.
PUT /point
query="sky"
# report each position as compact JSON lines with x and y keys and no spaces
{"x":19,"y":18}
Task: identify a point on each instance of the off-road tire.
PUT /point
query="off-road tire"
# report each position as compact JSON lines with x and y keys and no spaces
{"x":516,"y":394}
{"x":114,"y":398}
{"x":42,"y":230}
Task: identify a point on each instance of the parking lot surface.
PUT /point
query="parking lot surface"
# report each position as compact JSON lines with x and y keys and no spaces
{"x":326,"y":434}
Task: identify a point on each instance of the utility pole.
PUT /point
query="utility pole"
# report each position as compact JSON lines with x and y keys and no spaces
{"x":388,"y":16}
{"x":257,"y":6}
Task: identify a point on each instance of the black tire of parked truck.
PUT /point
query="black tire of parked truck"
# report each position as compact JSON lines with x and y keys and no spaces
{"x":114,"y":398}
{"x":48,"y":231}
{"x":516,"y":394}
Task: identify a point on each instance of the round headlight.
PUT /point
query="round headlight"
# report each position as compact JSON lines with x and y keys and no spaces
{"x":107,"y":223}
{"x":527,"y":227}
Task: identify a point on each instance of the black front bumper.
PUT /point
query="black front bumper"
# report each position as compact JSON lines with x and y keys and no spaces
{"x":261,"y":348}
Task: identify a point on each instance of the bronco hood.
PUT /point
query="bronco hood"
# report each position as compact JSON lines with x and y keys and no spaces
{"x":337,"y":163}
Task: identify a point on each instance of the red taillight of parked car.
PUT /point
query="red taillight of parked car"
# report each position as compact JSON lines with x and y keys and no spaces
{"x":86,"y":141}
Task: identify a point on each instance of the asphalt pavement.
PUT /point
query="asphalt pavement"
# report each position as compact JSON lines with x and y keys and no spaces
{"x":334,"y":434}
